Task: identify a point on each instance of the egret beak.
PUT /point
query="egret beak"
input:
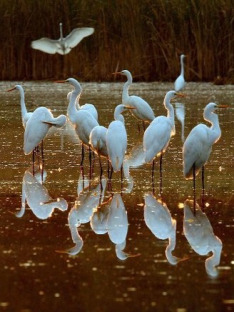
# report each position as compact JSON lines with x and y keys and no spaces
{"x":11,"y":89}
{"x":117,"y":73}
{"x":222,"y":106}
{"x":179,"y":94}
{"x":129,"y":107}
{"x":60,"y":81}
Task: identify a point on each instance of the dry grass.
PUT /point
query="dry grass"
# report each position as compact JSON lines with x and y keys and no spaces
{"x":144,"y":36}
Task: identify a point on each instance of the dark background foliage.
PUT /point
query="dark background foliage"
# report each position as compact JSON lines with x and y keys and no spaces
{"x":144,"y":36}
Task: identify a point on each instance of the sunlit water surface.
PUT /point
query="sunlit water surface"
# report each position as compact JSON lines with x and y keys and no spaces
{"x":122,"y":254}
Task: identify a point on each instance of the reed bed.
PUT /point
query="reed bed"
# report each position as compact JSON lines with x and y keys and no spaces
{"x":144,"y":36}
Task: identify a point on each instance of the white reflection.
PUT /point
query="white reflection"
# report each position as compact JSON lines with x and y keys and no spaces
{"x":134,"y":159}
{"x":117,"y":225}
{"x":200,"y":235}
{"x":180,"y":114}
{"x":89,"y":199}
{"x":158,"y":219}
{"x":37,"y":197}
{"x":111,"y":218}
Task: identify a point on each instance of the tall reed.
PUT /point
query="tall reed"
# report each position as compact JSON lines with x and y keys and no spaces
{"x":144,"y":36}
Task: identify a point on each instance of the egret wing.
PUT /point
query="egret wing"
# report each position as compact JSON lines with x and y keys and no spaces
{"x":46,"y":45}
{"x":77,"y":34}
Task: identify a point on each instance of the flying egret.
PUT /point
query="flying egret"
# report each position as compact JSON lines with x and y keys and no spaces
{"x":116,"y":139}
{"x":180,"y":81}
{"x":158,"y":134}
{"x":62,"y":45}
{"x":37,"y":128}
{"x":198,"y":145}
{"x":199,"y":233}
{"x":82,"y":120}
{"x":142,"y":110}
{"x":24,"y":113}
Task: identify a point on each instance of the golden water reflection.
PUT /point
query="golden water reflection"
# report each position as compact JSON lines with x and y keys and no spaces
{"x":128,"y":247}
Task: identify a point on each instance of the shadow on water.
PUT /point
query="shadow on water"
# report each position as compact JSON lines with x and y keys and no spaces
{"x":72,"y":242}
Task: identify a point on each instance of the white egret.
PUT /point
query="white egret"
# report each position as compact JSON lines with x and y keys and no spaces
{"x":82,"y":120}
{"x":37,"y":128}
{"x":64,"y":44}
{"x":24,"y":113}
{"x":180,"y":81}
{"x":158,"y":134}
{"x":87,"y":106}
{"x":116,"y":138}
{"x":97,"y":140}
{"x":142,"y":110}
{"x":198,"y":145}
{"x":199,"y":233}
{"x":180,"y":114}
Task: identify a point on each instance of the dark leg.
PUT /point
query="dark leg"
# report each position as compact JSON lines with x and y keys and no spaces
{"x":160,"y":188}
{"x":121,"y":172}
{"x":101,"y":170}
{"x":33,"y":161}
{"x":82,"y":155}
{"x":143,"y":123}
{"x":42,"y":161}
{"x":194,"y":189}
{"x":203,"y":186}
{"x":90,"y":163}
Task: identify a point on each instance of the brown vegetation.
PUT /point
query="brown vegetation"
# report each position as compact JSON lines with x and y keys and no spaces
{"x":144,"y":36}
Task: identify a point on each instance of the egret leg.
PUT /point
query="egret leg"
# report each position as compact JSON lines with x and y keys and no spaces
{"x":143,"y":123}
{"x":33,"y":161}
{"x":160,"y":188}
{"x":42,"y":161}
{"x":194,"y":189}
{"x":90,"y":163}
{"x":101,"y":170}
{"x":121,"y":173}
{"x":152,"y":173}
{"x":82,"y":155}
{"x":203,"y":186}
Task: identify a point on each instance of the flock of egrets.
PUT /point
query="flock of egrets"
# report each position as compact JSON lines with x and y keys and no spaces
{"x":111,"y":142}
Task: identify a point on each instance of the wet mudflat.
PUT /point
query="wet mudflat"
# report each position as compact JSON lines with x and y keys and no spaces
{"x":131,"y":248}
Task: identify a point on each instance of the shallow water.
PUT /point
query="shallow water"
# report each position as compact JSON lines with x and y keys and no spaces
{"x":37,"y":274}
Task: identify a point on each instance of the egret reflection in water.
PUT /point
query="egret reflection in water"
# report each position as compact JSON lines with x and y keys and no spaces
{"x":89,"y":198}
{"x":37,"y":196}
{"x":158,"y":219}
{"x":199,"y":233}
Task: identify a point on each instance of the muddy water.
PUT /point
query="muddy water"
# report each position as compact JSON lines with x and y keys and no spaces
{"x":138,"y":250}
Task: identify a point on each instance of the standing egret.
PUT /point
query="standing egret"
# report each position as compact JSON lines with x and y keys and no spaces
{"x":142,"y":110}
{"x":116,"y":139}
{"x":24,"y":113}
{"x":180,"y":81}
{"x":82,"y":120}
{"x":37,"y":128}
{"x":64,"y":44}
{"x":158,"y":134}
{"x":87,"y":106}
{"x":198,"y":145}
{"x":97,"y":140}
